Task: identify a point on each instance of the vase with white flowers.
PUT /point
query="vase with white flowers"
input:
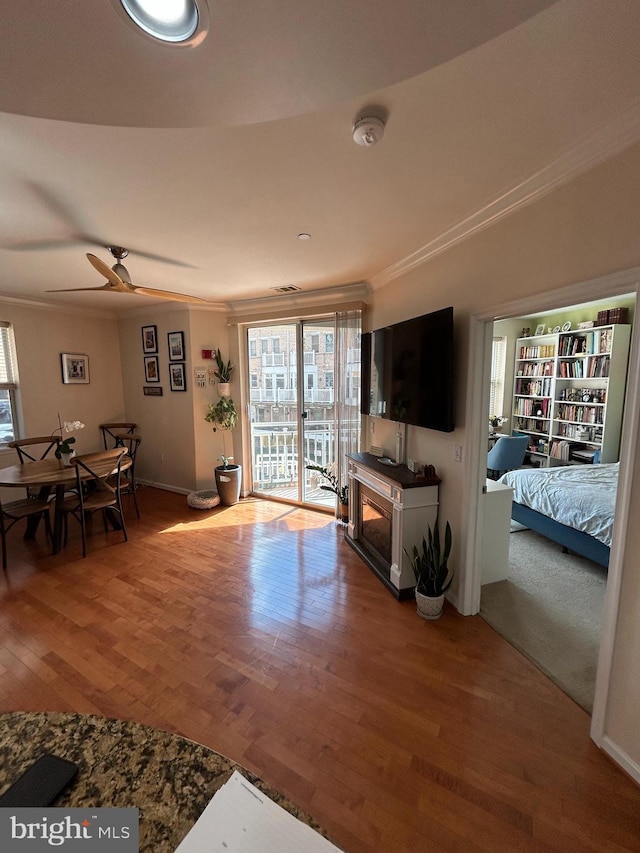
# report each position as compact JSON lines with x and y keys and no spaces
{"x":64,"y":451}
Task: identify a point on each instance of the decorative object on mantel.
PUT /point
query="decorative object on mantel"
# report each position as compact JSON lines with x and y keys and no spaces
{"x":64,"y":451}
{"x":341,"y":492}
{"x":431,"y":570}
{"x":223,"y":372}
{"x":224,"y":415}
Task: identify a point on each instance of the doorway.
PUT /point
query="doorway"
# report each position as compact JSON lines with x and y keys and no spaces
{"x":292,"y":408}
{"x":548,"y":602}
{"x":477,"y":404}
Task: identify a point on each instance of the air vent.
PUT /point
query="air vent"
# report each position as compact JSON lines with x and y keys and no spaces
{"x":285,"y":288}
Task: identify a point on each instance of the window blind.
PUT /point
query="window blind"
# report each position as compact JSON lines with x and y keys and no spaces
{"x":8,"y":363}
{"x":498,"y":368}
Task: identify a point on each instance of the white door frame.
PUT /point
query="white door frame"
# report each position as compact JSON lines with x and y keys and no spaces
{"x":477,"y":407}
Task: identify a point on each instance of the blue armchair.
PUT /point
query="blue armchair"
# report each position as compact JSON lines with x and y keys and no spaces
{"x":506,"y":455}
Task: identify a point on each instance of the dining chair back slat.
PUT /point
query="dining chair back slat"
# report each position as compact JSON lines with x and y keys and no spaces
{"x":110,"y":432}
{"x":33,"y":450}
{"x":20,"y":445}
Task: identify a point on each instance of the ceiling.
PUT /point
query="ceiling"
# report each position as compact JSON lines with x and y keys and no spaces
{"x":207,"y":162}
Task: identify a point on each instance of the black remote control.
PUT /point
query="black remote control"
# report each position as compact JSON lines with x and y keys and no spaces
{"x":40,"y":783}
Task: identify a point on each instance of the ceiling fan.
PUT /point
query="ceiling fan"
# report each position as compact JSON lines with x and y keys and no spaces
{"x":119,"y":280}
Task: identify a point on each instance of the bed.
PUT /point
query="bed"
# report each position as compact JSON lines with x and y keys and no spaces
{"x":572,"y":505}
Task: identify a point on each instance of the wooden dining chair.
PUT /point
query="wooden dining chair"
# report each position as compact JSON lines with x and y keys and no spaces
{"x":110,"y":432}
{"x":34,"y":449}
{"x":15,"y":511}
{"x":128,"y":485}
{"x":98,"y":479}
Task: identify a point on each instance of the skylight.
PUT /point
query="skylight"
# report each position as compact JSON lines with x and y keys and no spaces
{"x":168,"y":20}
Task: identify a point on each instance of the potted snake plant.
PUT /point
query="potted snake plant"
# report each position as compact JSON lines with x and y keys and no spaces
{"x":431,"y":570}
{"x":223,"y":372}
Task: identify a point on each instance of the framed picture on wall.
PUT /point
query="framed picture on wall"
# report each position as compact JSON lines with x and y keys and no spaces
{"x":75,"y":368}
{"x":177,"y":377}
{"x":176,"y":346}
{"x":151,"y":368}
{"x":152,"y":390}
{"x":149,"y":339}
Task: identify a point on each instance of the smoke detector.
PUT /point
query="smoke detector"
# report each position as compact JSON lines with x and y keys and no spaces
{"x":368,"y":130}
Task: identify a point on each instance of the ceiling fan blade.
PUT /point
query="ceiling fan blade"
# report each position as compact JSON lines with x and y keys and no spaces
{"x":108,"y":273}
{"x":106,"y":286}
{"x":169,"y":294}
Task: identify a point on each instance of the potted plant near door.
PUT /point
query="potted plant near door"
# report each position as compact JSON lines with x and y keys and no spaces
{"x":224,"y":415}
{"x":223,"y":372}
{"x":332,"y":485}
{"x":431,"y":570}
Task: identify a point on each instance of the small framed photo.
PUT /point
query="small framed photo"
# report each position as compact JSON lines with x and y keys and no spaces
{"x":177,"y":377}
{"x":540,"y":329}
{"x":75,"y":368}
{"x":149,"y":339}
{"x":176,"y":346}
{"x":152,"y":390}
{"x":151,"y":368}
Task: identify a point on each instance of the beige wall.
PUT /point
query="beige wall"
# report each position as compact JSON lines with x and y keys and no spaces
{"x":179,"y":449}
{"x":583,"y":230}
{"x":40,"y":336}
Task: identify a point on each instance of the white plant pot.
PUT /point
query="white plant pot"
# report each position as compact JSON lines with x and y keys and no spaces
{"x":429,"y":608}
{"x":224,"y":389}
{"x":66,"y":458}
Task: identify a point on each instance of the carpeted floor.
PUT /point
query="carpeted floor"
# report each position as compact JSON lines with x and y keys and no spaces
{"x":550,"y":608}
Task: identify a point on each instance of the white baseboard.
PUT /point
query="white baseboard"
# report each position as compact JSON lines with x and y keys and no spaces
{"x":631,"y":767}
{"x":164,"y":486}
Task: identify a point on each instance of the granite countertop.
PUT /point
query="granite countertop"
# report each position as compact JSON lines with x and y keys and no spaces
{"x":124,"y":764}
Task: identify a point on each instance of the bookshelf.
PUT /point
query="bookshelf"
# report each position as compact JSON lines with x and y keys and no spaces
{"x":569,"y":392}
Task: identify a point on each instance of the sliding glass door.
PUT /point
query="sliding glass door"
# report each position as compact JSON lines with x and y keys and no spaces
{"x":293,"y":415}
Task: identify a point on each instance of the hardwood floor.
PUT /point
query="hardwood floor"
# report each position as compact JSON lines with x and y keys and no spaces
{"x":257,"y":631}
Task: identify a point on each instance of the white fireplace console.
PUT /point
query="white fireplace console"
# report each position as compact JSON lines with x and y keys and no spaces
{"x":389,"y":501}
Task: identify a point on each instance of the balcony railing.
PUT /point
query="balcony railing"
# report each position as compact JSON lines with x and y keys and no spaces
{"x":288,"y":396}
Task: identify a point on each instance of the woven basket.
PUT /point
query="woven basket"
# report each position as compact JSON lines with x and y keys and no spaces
{"x":205,"y":499}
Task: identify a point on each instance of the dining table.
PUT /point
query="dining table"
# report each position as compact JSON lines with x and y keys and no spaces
{"x":49,"y":475}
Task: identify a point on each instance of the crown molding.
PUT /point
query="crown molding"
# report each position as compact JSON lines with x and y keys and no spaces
{"x":607,"y":141}
{"x":166,"y":307}
{"x":56,"y":307}
{"x":300,"y":299}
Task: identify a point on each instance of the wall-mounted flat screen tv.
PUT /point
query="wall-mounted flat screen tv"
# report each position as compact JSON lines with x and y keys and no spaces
{"x":408,"y":372}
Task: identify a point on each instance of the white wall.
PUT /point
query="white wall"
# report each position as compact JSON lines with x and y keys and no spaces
{"x":583,"y":230}
{"x":41,"y":335}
